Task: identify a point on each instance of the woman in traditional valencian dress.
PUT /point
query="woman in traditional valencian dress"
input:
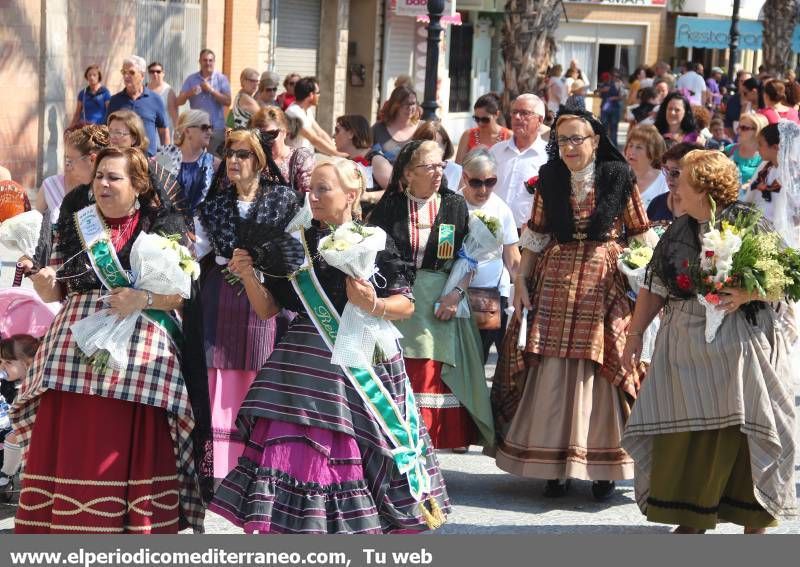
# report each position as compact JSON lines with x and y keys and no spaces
{"x":712,"y":432}
{"x":114,"y":451}
{"x":319,"y":459}
{"x":443,"y":353}
{"x":560,"y":403}
{"x":239,"y":336}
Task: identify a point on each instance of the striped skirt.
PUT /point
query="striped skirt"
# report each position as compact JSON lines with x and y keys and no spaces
{"x":316,"y":461}
{"x":741,"y":379}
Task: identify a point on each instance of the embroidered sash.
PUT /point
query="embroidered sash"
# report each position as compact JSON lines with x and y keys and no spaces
{"x":403,"y":431}
{"x":97,"y":243}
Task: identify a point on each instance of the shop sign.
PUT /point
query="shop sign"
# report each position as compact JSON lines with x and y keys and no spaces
{"x":715,"y":34}
{"x":420,"y":7}
{"x":643,"y":3}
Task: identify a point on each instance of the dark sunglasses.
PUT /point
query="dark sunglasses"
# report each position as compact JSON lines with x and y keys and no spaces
{"x":273,"y":89}
{"x":745,"y":128}
{"x":673,"y":173}
{"x":489,"y":182}
{"x":241,"y":154}
{"x":271,"y":134}
{"x":482,"y":119}
{"x":156,"y":71}
{"x":203,"y":127}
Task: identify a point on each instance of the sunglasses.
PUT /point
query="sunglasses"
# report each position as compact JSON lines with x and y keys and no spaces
{"x":746,"y":128}
{"x":203,"y":127}
{"x":273,"y":89}
{"x":240,"y":154}
{"x":671,"y":173}
{"x":482,"y":119}
{"x":489,"y":182}
{"x":129,"y":72}
{"x":271,"y":133}
{"x":156,"y":71}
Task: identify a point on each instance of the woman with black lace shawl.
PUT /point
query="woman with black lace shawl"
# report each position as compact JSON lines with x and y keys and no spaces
{"x":443,"y":353}
{"x":560,"y":400}
{"x":712,"y":432}
{"x":248,"y":191}
{"x":113,"y":451}
{"x":318,"y":458}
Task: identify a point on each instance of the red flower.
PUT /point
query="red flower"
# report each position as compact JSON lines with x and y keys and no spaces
{"x":709,"y":253}
{"x":530,"y":184}
{"x":712,"y":298}
{"x":684,"y":282}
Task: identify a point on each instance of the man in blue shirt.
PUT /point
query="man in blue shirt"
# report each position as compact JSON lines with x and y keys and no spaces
{"x":210,"y":91}
{"x":144,"y":102}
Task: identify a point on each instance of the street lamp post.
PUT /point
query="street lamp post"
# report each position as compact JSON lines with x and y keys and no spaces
{"x":734,"y":45}
{"x":429,"y":106}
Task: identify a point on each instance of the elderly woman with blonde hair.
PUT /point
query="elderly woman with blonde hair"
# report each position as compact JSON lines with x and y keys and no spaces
{"x":712,"y":431}
{"x":189,"y":159}
{"x":319,"y":458}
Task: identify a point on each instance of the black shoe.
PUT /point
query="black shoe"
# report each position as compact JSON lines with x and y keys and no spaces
{"x":6,"y":488}
{"x":602,"y":490}
{"x":556,"y":488}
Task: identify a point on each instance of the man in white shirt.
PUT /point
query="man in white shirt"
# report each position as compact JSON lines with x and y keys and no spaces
{"x":306,"y":133}
{"x":520,"y":157}
{"x":693,"y":82}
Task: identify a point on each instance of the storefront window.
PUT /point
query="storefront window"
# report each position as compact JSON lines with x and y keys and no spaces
{"x":460,"y":65}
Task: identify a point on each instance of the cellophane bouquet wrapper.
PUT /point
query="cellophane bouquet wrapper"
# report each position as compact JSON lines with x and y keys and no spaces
{"x":352,"y":249}
{"x":158,"y":265}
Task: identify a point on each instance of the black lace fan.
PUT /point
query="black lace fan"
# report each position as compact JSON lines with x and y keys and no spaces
{"x":274,"y":252}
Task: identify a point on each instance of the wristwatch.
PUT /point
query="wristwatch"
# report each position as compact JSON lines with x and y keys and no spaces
{"x":460,"y":291}
{"x":149,"y":298}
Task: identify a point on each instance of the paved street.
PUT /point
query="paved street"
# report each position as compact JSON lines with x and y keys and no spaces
{"x":488,"y":501}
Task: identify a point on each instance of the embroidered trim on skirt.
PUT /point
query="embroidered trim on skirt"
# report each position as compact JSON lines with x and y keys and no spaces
{"x":297,"y":393}
{"x":568,"y":425}
{"x":98,"y":465}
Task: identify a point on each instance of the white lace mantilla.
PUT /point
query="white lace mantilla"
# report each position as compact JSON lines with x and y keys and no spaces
{"x":534,"y":241}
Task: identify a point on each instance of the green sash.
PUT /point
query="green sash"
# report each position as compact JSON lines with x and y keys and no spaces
{"x":409,"y":450}
{"x":106,"y":264}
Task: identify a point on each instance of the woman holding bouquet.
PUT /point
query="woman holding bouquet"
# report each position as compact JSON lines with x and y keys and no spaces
{"x":443,"y":353}
{"x":240,"y":331}
{"x":712,"y":432}
{"x":318,"y":458}
{"x":560,"y":401}
{"x":105,"y":450}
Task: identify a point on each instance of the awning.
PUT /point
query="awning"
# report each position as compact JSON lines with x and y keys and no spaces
{"x":715,"y":34}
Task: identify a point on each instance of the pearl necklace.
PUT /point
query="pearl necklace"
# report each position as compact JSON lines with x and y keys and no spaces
{"x":582,"y":182}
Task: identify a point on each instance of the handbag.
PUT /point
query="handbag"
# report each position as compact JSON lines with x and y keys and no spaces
{"x":485,"y":305}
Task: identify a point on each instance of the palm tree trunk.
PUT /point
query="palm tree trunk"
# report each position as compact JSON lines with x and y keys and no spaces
{"x":528,"y":45}
{"x":780,"y":17}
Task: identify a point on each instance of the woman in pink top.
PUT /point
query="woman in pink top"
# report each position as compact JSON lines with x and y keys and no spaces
{"x":775,"y":101}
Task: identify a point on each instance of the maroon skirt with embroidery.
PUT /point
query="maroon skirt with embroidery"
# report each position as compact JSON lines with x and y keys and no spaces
{"x":98,"y":465}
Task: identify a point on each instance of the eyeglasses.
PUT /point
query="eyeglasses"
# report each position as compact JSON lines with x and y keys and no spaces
{"x":203,"y":127}
{"x":240,"y":154}
{"x":523,"y":113}
{"x":128,"y":72}
{"x":156,"y":71}
{"x":118,"y":133}
{"x":671,"y":172}
{"x":746,"y":128}
{"x":70,"y":162}
{"x":482,"y":119}
{"x":489,"y":182}
{"x":432,"y":167}
{"x":572,"y":140}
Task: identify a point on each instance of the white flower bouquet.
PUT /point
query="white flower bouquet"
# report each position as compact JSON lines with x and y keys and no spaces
{"x":352,"y":249}
{"x":20,"y":233}
{"x":160,"y":265}
{"x":482,"y":243}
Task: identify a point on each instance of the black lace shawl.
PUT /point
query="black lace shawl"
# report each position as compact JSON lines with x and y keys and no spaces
{"x":392,"y":268}
{"x":160,"y":216}
{"x":391,"y":214}
{"x":679,"y":249}
{"x":274,"y":205}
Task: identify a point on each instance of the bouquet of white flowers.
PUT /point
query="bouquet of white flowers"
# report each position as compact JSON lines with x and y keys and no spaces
{"x":482,"y":243}
{"x":160,"y":265}
{"x":633,"y":264}
{"x":352,"y":248}
{"x":20,"y":233}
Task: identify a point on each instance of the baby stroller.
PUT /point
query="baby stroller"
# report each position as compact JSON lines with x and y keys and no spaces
{"x":21,"y":312}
